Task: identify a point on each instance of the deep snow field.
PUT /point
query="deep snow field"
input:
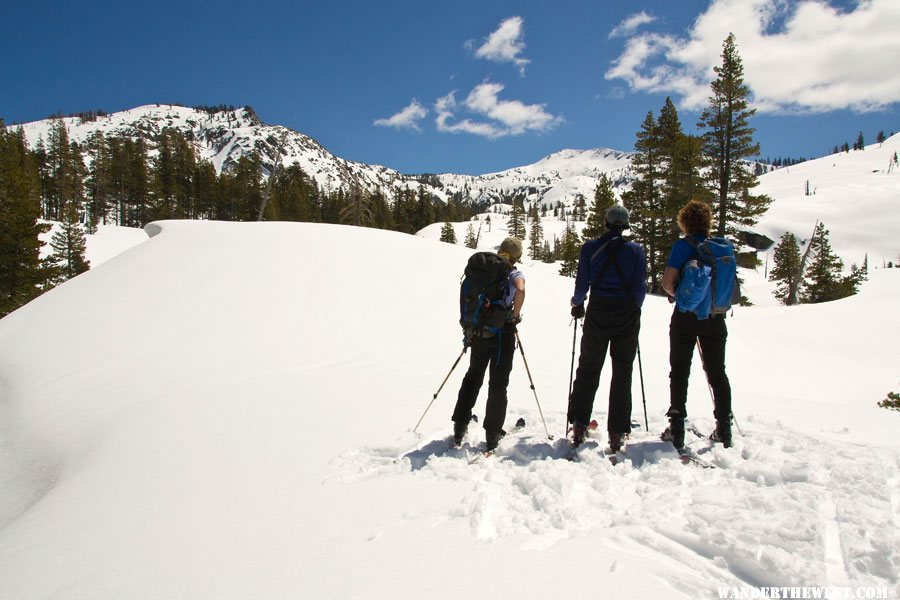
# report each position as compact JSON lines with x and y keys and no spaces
{"x":225,"y":410}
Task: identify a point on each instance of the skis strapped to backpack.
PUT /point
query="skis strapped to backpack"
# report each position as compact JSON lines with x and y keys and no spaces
{"x":708,"y":284}
{"x":481,"y":293}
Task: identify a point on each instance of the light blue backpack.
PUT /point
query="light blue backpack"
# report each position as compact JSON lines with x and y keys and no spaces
{"x":708,"y":284}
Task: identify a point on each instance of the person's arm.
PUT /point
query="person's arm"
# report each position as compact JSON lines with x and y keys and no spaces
{"x":519,"y":298}
{"x":639,"y":283}
{"x":670,"y":280}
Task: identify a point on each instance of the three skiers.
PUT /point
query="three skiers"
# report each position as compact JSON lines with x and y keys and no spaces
{"x":700,"y":278}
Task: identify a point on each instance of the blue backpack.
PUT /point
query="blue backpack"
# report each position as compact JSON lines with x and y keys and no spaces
{"x":708,"y":284}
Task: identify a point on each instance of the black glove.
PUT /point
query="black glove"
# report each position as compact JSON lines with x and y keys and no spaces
{"x":578,"y":311}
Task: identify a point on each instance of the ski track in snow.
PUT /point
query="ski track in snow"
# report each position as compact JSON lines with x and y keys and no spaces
{"x":782,"y":508}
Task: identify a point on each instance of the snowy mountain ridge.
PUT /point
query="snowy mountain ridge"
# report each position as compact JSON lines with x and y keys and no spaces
{"x":223,"y":137}
{"x":865,"y":178}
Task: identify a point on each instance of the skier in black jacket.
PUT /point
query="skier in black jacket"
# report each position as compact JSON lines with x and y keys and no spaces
{"x":615,"y":272}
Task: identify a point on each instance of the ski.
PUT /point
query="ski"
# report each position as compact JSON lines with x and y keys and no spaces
{"x":520,"y":424}
{"x":693,"y":429}
{"x":687,"y":457}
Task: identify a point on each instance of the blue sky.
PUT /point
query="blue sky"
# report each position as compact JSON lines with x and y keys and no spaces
{"x":465,"y":86}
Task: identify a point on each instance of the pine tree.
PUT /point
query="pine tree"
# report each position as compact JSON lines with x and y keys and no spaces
{"x":471,"y":240}
{"x":892,"y":402}
{"x":242,"y":192}
{"x":822,"y":282}
{"x":786,"y":269}
{"x":98,"y":185}
{"x":648,"y":222}
{"x":447,"y":233}
{"x":569,"y":252}
{"x":880,"y":138}
{"x":137,"y":185}
{"x":579,"y":211}
{"x":358,"y":209}
{"x":69,"y":246}
{"x":547,"y":253}
{"x":57,"y":170}
{"x":423,"y":213}
{"x":536,"y":238}
{"x":22,"y":274}
{"x":516,"y":222}
{"x":860,"y":142}
{"x":404,"y":203}
{"x":381,"y":212}
{"x":669,"y":136}
{"x":728,"y":143}
{"x":604,"y":198}
{"x":686,"y":181}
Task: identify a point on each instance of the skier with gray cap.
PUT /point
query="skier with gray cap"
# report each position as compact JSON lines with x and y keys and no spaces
{"x":614,"y":271}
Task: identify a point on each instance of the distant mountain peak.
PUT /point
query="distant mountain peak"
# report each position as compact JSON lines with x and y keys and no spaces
{"x":223,"y":134}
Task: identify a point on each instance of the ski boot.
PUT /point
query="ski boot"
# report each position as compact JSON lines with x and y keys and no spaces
{"x":616,"y":441}
{"x":675,"y":431}
{"x":492,"y":438}
{"x":722,"y":434}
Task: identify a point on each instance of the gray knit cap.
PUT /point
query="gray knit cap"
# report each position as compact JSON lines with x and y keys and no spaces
{"x":617,"y":216}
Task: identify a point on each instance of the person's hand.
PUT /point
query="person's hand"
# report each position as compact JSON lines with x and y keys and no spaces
{"x":514,"y":320}
{"x":578,"y":311}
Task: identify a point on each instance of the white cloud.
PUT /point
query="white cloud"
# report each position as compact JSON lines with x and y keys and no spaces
{"x":408,"y":118}
{"x":503,"y":117}
{"x":631,"y":24}
{"x":798,"y":55}
{"x":505,"y":45}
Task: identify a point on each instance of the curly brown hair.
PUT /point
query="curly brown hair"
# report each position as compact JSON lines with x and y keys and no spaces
{"x":695,"y":217}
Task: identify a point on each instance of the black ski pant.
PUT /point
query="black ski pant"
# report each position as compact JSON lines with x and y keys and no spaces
{"x":685,"y":330}
{"x":614,"y":324}
{"x":497,"y":352}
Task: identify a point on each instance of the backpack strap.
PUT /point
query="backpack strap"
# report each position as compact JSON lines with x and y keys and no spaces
{"x":611,"y":258}
{"x":699,"y":249}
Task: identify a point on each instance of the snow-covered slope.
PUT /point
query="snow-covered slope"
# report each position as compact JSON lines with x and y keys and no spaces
{"x":559,"y":177}
{"x":213,"y":415}
{"x":856,"y":195}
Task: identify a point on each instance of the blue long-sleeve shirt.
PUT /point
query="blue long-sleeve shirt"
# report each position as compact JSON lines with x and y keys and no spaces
{"x":631,"y":259}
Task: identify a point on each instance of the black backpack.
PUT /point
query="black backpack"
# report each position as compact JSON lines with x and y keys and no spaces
{"x":481,"y":293}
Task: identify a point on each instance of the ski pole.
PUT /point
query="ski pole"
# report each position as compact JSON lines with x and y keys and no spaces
{"x":527,"y":370}
{"x":433,"y":398}
{"x":572,"y":367}
{"x":711,"y":395}
{"x":643,"y":395}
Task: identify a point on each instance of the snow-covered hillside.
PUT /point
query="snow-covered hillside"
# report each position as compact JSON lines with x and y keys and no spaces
{"x":213,"y":415}
{"x":559,"y":177}
{"x":856,"y":195}
{"x":223,"y":137}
